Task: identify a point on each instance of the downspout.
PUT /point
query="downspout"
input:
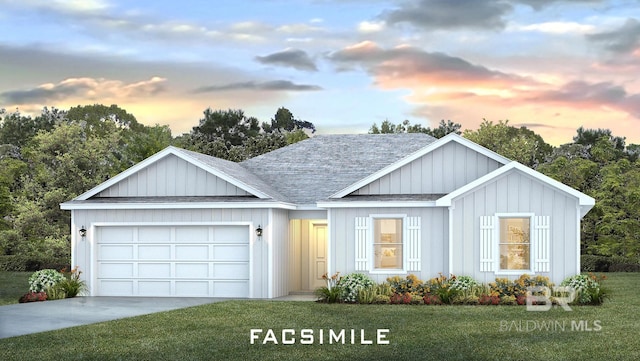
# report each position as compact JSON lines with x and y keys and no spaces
{"x":451,"y":208}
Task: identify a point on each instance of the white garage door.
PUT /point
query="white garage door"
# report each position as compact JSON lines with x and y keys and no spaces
{"x":178,"y":261}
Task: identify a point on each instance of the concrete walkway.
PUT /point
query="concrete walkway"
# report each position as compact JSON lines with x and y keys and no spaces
{"x":33,"y":317}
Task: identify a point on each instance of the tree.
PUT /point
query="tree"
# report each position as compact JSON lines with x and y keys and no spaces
{"x":519,"y":144}
{"x":17,"y":130}
{"x":284,"y":121}
{"x":386,"y":127}
{"x":230,"y":127}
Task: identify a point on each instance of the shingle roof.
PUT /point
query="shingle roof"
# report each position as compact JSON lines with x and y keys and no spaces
{"x":314,"y":169}
{"x":235,"y":171}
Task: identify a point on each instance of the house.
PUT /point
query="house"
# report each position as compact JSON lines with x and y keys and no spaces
{"x":182,"y":223}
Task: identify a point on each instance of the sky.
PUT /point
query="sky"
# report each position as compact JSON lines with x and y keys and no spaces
{"x":549,"y":65}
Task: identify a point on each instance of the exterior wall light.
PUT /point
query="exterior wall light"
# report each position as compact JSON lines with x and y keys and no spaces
{"x":259,"y":231}
{"x":83,"y":232}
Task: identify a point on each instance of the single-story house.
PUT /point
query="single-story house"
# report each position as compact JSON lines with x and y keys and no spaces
{"x":182,"y":223}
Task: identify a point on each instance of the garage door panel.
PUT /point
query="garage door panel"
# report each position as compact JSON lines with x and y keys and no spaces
{"x":154,"y":288}
{"x":230,"y":234}
{"x":115,"y":270}
{"x":154,"y":252}
{"x":230,"y":289}
{"x":116,"y":288}
{"x":116,"y":235}
{"x":154,"y":270}
{"x":193,"y":288}
{"x":154,"y":234}
{"x":116,"y":252}
{"x":192,"y":235}
{"x":196,"y":261}
{"x":230,"y":252}
{"x":192,"y":253}
{"x":192,"y":270}
{"x":231,"y":271}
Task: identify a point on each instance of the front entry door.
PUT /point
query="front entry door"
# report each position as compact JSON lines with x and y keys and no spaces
{"x":317,"y":254}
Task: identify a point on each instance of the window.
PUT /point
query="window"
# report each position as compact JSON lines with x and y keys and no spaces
{"x":387,"y":243}
{"x":515,"y":244}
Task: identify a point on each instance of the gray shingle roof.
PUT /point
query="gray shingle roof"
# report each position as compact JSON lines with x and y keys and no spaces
{"x":235,"y":171}
{"x":314,"y":169}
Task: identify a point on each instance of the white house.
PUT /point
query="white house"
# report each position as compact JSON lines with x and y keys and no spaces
{"x":182,"y":223}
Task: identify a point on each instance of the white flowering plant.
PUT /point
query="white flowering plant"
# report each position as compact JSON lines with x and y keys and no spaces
{"x":39,"y":281}
{"x":463,"y":283}
{"x":587,"y":288}
{"x":351,"y":284}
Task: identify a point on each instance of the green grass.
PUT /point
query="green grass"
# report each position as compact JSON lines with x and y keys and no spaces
{"x":12,"y":286}
{"x":221,"y":331}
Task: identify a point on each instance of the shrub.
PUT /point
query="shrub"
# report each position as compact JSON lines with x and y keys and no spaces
{"x":508,"y":300}
{"x":33,"y":297}
{"x":384,"y":289}
{"x":382,"y":299}
{"x":442,"y":287}
{"x":40,"y":280}
{"x":411,"y":284}
{"x":330,"y":293}
{"x":401,"y":298}
{"x":72,"y":285}
{"x":505,"y":287}
{"x":367,"y":295}
{"x":466,"y":299}
{"x":624,"y":267}
{"x":416,"y":300}
{"x":587,"y":288}
{"x":351,"y":284}
{"x":488,"y":300}
{"x":55,"y":292}
{"x":463,"y":283}
{"x":594,"y":263}
{"x":430,"y":299}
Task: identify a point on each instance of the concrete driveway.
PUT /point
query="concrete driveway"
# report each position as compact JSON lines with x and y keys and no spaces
{"x":33,"y":317}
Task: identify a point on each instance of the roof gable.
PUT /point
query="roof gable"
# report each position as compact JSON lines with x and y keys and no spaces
{"x":586,"y":202}
{"x":405,"y":163}
{"x":221,"y":177}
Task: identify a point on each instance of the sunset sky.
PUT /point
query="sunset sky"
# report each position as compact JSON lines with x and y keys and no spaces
{"x":550,"y":65}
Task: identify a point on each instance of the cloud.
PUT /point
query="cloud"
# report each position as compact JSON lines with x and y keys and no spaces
{"x":274,"y":85}
{"x":625,"y":39}
{"x":446,"y":14}
{"x":293,"y":58}
{"x":407,"y":66}
{"x":557,"y":28}
{"x":89,"y":88}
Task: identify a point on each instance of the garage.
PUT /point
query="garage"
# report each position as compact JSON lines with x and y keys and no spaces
{"x":172,"y":261}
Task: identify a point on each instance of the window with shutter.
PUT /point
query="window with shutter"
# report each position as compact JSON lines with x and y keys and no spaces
{"x":362,"y":242}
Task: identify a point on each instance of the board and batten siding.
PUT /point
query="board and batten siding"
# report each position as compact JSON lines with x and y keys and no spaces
{"x":433,"y":236}
{"x":280,"y":252}
{"x":440,"y":171}
{"x":514,"y":192}
{"x":81,"y":249}
{"x":172,"y":177}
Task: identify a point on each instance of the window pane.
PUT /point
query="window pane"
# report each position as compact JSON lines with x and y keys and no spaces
{"x":387,"y":243}
{"x":515,"y":243}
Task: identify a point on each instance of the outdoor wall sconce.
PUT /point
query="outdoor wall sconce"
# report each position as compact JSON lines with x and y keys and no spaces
{"x":83,"y":232}
{"x":259,"y":231}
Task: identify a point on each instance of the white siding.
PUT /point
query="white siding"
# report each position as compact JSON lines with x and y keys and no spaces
{"x":172,"y":177}
{"x":441,"y":171}
{"x":514,"y":192}
{"x":259,"y":249}
{"x":280,"y":255}
{"x":433,"y":237}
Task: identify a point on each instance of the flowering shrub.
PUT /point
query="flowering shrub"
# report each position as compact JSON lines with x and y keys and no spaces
{"x":441,"y":286}
{"x":411,"y":284}
{"x":430,"y":299}
{"x":463,"y":283}
{"x":33,"y":297}
{"x":587,"y":287}
{"x":351,"y":284}
{"x":488,"y":300}
{"x":505,"y":287}
{"x":72,"y":285}
{"x":332,"y":292}
{"x":401,"y":298}
{"x":39,"y":281}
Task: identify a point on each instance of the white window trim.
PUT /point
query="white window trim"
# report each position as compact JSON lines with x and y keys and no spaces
{"x":496,"y":245}
{"x":390,"y":271}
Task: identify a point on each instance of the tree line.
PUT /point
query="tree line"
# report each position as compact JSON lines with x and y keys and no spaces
{"x":53,"y":157}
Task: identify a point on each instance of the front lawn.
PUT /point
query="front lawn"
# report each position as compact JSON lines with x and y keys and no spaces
{"x":12,"y":286}
{"x":221,"y":331}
